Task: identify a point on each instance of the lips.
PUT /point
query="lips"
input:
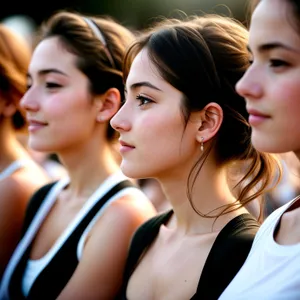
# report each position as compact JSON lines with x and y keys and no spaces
{"x":256,"y":117}
{"x":125,"y":147}
{"x":35,"y":125}
{"x":35,"y":122}
{"x":124,"y":144}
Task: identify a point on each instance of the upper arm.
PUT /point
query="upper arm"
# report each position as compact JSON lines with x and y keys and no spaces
{"x":14,"y":199}
{"x":100,"y":270}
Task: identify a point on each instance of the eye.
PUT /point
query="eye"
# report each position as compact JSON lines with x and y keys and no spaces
{"x":275,"y":63}
{"x":52,"y":85}
{"x":143,"y":100}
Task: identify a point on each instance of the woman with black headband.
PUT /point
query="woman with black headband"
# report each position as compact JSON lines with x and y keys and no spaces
{"x":77,"y":230}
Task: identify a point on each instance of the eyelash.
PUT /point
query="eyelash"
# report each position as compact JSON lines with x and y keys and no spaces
{"x":52,"y":85}
{"x":275,"y":63}
{"x":143,"y":100}
{"x":49,"y":85}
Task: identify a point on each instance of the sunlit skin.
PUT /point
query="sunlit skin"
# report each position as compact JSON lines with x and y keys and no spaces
{"x":58,"y":102}
{"x":67,"y":119}
{"x":271,"y":86}
{"x":16,"y":187}
{"x":161,"y":146}
{"x":156,"y":142}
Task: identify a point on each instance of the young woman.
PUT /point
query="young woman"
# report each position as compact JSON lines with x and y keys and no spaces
{"x":183,"y":124}
{"x":271,"y":87}
{"x":20,"y":176}
{"x":79,"y":228}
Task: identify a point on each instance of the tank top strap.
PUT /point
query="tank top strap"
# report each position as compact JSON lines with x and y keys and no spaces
{"x":13,"y":167}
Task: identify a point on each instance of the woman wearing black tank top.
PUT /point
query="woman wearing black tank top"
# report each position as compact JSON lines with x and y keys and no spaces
{"x":183,"y":124}
{"x":78,"y":229}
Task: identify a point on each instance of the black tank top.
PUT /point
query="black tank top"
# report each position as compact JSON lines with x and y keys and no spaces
{"x":225,"y":258}
{"x":54,"y":277}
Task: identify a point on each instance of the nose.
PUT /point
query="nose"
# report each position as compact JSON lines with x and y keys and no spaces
{"x":250,"y":85}
{"x":120,"y":121}
{"x":28,"y":101}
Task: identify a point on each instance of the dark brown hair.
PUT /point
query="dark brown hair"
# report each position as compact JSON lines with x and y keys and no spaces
{"x":102,"y":64}
{"x":14,"y":60}
{"x":204,"y":57}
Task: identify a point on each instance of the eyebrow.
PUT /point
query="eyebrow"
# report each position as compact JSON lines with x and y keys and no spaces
{"x":47,"y":71}
{"x":271,"y":46}
{"x":144,"y":83}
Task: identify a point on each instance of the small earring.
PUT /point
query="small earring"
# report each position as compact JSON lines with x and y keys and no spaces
{"x":100,"y":119}
{"x":202,"y":145}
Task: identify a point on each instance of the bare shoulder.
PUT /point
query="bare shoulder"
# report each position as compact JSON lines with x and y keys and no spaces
{"x":288,"y":232}
{"x":14,"y":192}
{"x":14,"y":200}
{"x":129,"y":210}
{"x":17,"y":189}
{"x":123,"y":216}
{"x":133,"y":206}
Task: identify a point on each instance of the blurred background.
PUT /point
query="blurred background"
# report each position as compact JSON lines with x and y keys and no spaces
{"x":25,"y":16}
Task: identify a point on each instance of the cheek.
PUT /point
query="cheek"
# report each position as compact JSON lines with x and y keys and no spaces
{"x":287,"y":91}
{"x":164,"y":123}
{"x":288,"y":103}
{"x":67,"y":105}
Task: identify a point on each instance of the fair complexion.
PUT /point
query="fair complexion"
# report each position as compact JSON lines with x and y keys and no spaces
{"x":16,"y":189}
{"x":66,"y":119}
{"x":271,"y":87}
{"x":155,"y":142}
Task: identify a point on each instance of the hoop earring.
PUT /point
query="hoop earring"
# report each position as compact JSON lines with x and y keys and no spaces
{"x":202,"y":145}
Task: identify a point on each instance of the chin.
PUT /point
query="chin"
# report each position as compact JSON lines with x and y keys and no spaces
{"x":268,"y":146}
{"x":36,"y":146}
{"x":134,"y":172}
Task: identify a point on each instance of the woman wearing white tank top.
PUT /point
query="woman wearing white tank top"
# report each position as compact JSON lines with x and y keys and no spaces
{"x":20,"y":176}
{"x":271,"y":87}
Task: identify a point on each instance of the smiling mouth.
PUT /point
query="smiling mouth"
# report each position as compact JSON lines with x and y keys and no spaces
{"x":123,"y":144}
{"x":37,"y":123}
{"x":124,"y":147}
{"x":34,"y":126}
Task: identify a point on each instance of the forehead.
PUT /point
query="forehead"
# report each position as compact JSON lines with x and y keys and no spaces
{"x":142,"y":69}
{"x":270,"y":17}
{"x":51,"y":53}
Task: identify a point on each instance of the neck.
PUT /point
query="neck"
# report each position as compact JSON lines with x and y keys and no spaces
{"x":88,"y":168}
{"x":209,"y":193}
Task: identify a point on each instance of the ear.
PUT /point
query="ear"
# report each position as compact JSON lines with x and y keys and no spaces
{"x":211,"y":120}
{"x":108,"y":104}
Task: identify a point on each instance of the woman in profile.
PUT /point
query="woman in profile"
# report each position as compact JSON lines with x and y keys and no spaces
{"x":20,"y":176}
{"x":78,"y":229}
{"x":184,"y":125}
{"x":271,"y":87}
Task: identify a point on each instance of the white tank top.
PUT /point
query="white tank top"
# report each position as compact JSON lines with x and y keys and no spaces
{"x":35,"y":267}
{"x":13,"y":167}
{"x":271,"y":271}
